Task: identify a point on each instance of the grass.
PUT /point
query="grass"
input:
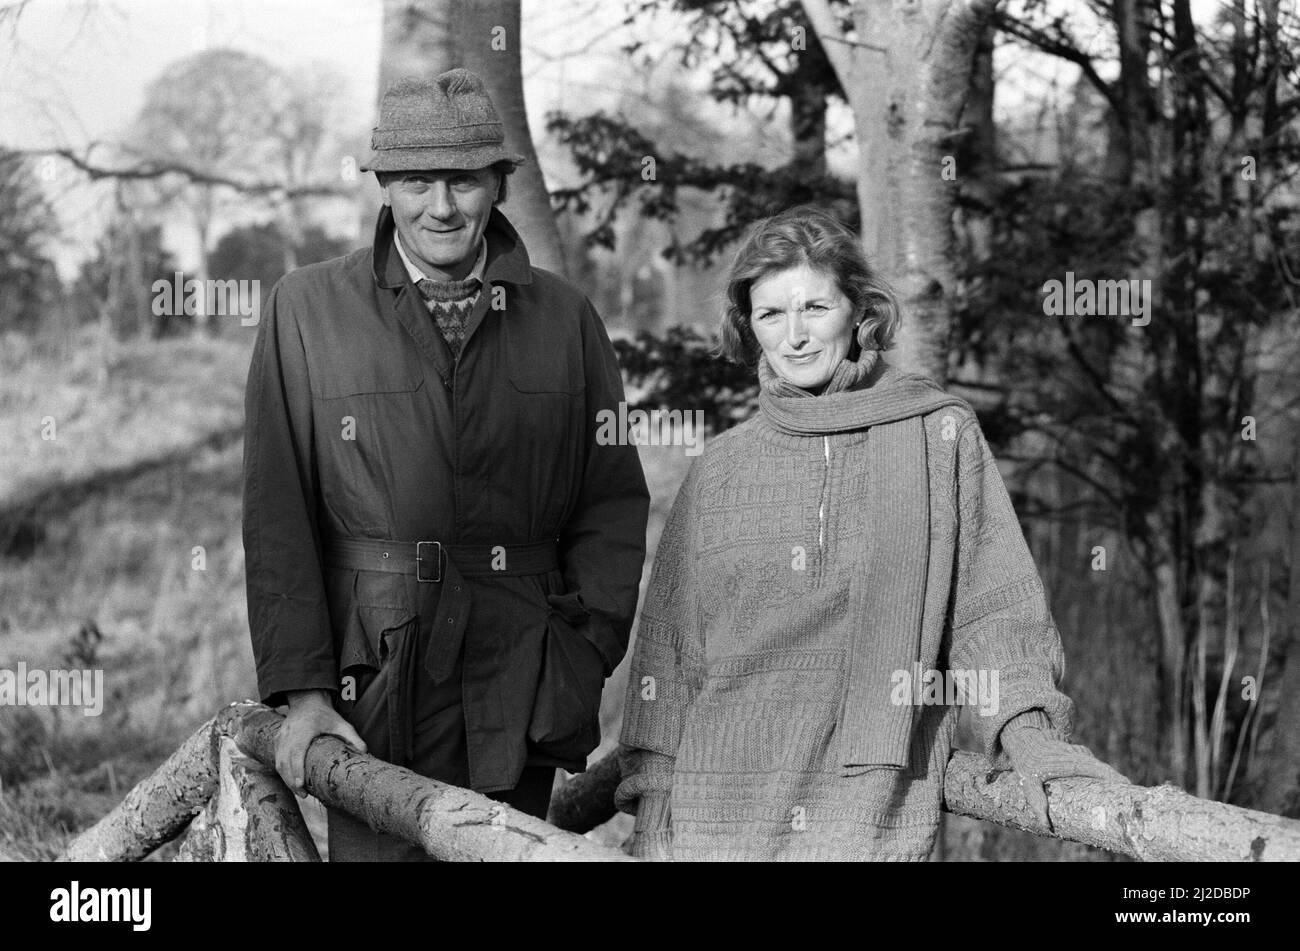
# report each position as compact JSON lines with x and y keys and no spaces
{"x":111,"y":409}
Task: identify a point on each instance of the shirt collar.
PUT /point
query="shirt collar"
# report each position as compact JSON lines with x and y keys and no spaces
{"x":416,"y":275}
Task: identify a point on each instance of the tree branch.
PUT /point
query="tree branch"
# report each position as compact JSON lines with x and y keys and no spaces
{"x":156,"y":168}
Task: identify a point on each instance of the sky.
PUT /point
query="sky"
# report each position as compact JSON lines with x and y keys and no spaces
{"x":75,"y":71}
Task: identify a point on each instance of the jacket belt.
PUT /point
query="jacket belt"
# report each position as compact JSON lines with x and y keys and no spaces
{"x":442,"y":628}
{"x":425,"y":559}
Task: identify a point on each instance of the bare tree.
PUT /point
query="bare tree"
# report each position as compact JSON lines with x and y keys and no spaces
{"x":208,"y":111}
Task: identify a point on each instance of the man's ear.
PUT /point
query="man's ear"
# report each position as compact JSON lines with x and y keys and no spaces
{"x":383,"y":187}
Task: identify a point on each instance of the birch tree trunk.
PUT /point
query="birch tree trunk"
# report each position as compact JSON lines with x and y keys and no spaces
{"x":905,"y":66}
{"x":1278,"y":773}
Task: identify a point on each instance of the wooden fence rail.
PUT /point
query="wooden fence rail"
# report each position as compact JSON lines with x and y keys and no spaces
{"x":222,"y":787}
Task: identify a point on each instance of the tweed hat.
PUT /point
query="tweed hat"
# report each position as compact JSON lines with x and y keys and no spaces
{"x":441,"y":123}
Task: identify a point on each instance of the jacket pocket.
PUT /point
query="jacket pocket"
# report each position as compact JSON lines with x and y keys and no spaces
{"x":553,"y":372}
{"x":364,"y":606}
{"x":565,"y":721}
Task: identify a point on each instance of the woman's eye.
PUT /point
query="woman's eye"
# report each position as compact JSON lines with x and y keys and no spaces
{"x":817,"y":308}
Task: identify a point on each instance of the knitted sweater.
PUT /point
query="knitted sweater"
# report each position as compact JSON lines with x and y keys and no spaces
{"x":736,"y":688}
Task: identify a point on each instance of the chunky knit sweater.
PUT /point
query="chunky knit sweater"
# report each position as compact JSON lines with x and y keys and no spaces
{"x":736,"y":720}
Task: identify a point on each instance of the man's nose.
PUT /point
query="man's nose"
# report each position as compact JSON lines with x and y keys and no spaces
{"x":440,"y":204}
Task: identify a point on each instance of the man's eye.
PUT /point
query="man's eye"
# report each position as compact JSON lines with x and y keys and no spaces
{"x":464,"y":181}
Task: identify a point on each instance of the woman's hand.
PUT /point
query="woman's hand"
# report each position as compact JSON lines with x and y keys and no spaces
{"x":1040,"y":757}
{"x":652,"y":834}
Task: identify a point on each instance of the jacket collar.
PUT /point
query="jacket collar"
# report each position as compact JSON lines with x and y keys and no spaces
{"x":507,"y":258}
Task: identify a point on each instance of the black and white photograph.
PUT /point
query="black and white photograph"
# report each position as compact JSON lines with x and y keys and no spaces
{"x":651,"y":431}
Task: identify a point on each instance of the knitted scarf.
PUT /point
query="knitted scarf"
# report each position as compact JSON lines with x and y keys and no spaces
{"x":888,"y":591}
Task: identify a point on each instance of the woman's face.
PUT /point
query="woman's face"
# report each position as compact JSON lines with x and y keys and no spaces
{"x":803,"y":323}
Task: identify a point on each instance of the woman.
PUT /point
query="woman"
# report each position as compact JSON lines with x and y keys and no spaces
{"x":852,"y":534}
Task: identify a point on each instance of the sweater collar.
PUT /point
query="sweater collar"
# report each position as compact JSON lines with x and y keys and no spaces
{"x":861,"y":393}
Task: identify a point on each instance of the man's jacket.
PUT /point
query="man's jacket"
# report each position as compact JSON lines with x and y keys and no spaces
{"x":361,"y":426}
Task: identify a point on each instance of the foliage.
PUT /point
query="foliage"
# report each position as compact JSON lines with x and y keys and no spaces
{"x":258,"y":252}
{"x":754,"y":61}
{"x":610,"y":154}
{"x":681,"y":370}
{"x":129,"y":313}
{"x":28,"y":281}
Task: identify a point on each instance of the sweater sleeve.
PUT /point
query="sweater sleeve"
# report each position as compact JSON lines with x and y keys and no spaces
{"x":1001,"y":622}
{"x":667,"y":668}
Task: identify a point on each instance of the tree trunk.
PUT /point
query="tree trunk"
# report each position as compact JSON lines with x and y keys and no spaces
{"x":429,"y":37}
{"x":251,"y":817}
{"x":906,"y":74}
{"x":1151,"y":823}
{"x":1154,"y":824}
{"x":1278,"y":772}
{"x":155,"y":811}
{"x":450,"y":823}
{"x":587,"y":800}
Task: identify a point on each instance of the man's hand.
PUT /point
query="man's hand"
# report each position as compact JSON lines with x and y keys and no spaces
{"x":1039,"y":757}
{"x":310,"y":715}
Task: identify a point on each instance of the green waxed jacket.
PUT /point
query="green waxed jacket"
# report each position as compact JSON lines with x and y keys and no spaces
{"x":360,"y":425}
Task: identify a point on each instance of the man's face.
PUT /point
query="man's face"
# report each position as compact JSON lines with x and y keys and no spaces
{"x":441,"y":216}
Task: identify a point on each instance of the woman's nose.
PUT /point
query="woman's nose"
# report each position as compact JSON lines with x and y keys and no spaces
{"x":796,"y":331}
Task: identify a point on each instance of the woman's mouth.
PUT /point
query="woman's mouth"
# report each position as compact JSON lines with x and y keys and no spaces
{"x":801,"y":358}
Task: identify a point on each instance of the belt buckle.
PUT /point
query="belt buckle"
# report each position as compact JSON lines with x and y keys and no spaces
{"x":420,"y":559}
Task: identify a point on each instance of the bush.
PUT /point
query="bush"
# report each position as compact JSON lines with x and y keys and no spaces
{"x":681,"y":370}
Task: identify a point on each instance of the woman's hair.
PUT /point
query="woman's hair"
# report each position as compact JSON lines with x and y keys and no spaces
{"x":805,"y":235}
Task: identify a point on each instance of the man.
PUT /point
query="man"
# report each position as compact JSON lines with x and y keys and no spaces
{"x":442,"y":561}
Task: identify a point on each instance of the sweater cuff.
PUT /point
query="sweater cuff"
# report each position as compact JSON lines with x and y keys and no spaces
{"x":1034,"y":720}
{"x":653,"y":846}
{"x":1028,"y":720}
{"x":645,"y":773}
{"x":654,"y":813}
